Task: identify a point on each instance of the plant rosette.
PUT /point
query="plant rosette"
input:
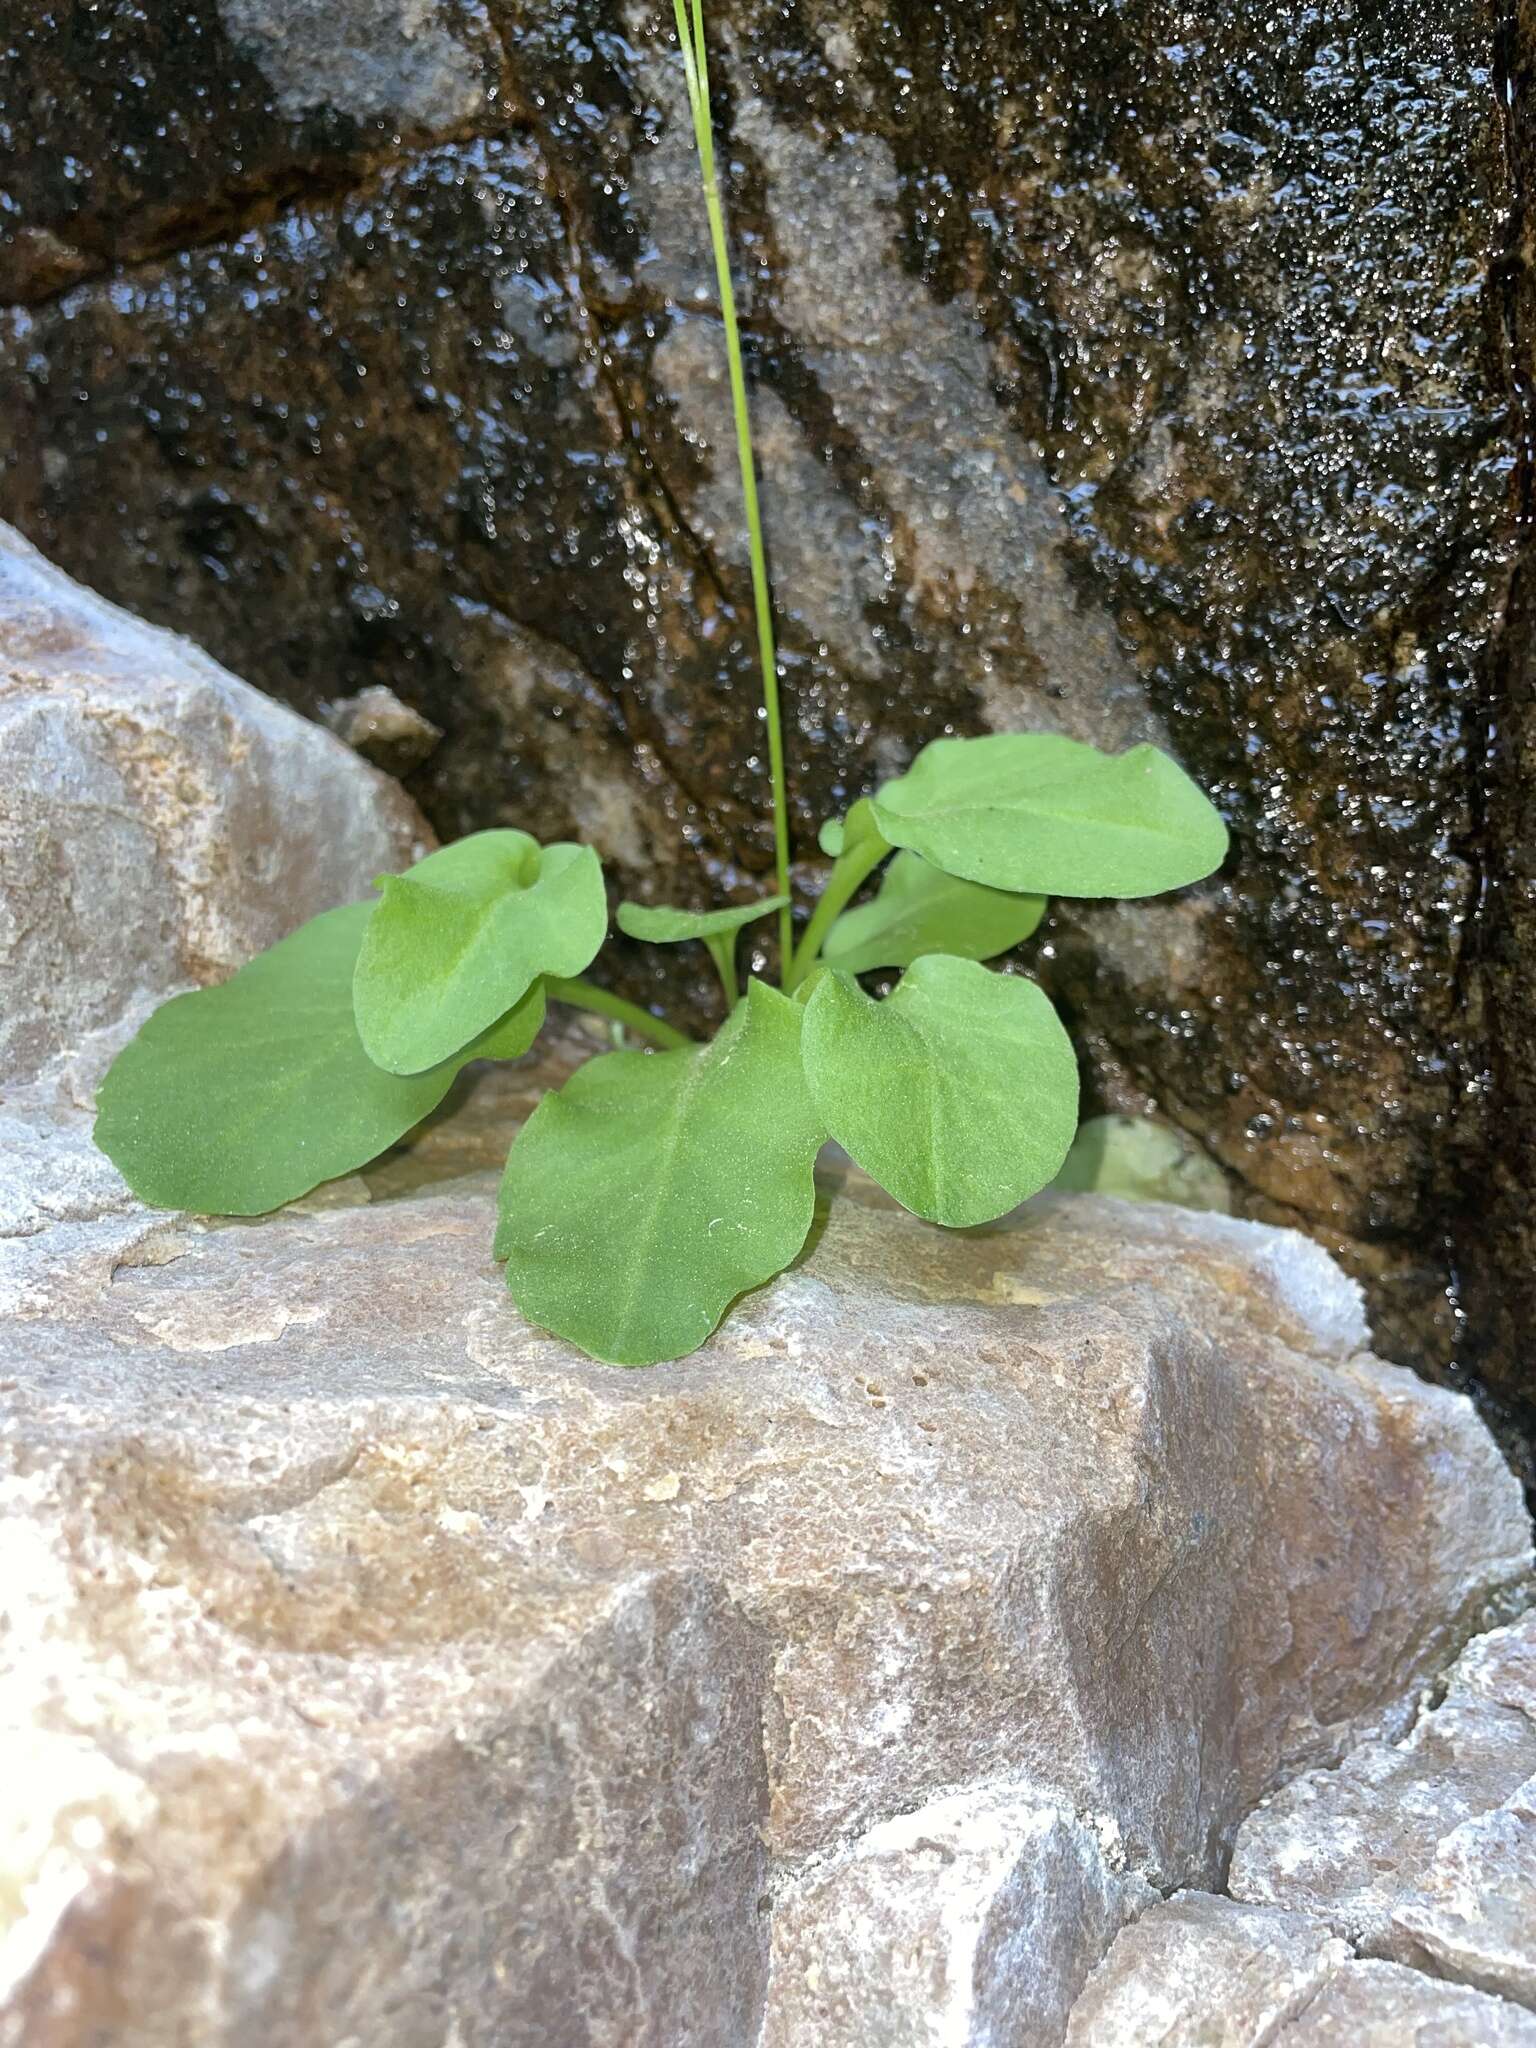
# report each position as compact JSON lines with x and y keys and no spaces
{"x":644,"y":1196}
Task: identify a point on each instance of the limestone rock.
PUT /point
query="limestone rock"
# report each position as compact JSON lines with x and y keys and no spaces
{"x":159,"y":820}
{"x":1473,"y":1914}
{"x":1499,"y":1667}
{"x":1382,"y":2005}
{"x":384,"y":731}
{"x":381,"y":1668}
{"x":1358,"y":1845}
{"x":969,"y":1921}
{"x":1205,"y":1972}
{"x":406,"y":64}
{"x":1350,"y":1844}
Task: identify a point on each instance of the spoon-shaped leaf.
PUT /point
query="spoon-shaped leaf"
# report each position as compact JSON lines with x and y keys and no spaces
{"x":958,"y":1093}
{"x":1053,"y":817}
{"x":236,"y":1099}
{"x":460,"y":940}
{"x":654,"y":1188}
{"x":837,"y":834}
{"x":662,"y":926}
{"x":922,"y":910}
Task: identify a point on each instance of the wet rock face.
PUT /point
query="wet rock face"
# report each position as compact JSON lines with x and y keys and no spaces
{"x":1111,"y":377}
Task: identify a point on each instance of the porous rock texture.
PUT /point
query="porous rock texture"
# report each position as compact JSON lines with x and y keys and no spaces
{"x":377,"y":1668}
{"x":1119,"y":369}
{"x":160,"y":821}
{"x":970,"y":1919}
{"x":1423,"y":1851}
{"x":1204,"y":1972}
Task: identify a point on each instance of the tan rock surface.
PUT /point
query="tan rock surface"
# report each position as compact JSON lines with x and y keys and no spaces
{"x":1382,"y":2005}
{"x":1473,"y":1915}
{"x":379,"y":1668}
{"x":1423,"y":1847}
{"x":970,"y":1921}
{"x":160,"y":821}
{"x":1204,"y":1972}
{"x":1350,"y":1844}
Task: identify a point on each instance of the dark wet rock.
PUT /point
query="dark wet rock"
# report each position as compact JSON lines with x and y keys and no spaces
{"x":129,"y":131}
{"x":1113,"y":376}
{"x":1496,"y":1238}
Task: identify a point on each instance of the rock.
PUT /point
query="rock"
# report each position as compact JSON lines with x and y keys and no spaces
{"x":1498,"y":1249}
{"x":160,"y":821}
{"x":1473,"y":1914}
{"x":373,"y":343}
{"x":383,"y":1670}
{"x":1357,"y":1845}
{"x":972,"y":1920}
{"x":1350,"y":1844}
{"x":1499,"y":1667}
{"x":384,"y":731}
{"x":1143,"y":1160}
{"x":1205,"y":1972}
{"x":1381,"y":2005}
{"x":308,"y":99}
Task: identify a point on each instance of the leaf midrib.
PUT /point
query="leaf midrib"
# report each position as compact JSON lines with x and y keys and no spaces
{"x":975,"y":808}
{"x":681,"y":1098}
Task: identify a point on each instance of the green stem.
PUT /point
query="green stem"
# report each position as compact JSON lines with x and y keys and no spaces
{"x":586,"y":995}
{"x":722,"y":950}
{"x":696,"y":69}
{"x":851,"y":868}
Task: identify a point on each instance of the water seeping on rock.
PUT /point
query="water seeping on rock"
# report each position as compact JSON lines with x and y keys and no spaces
{"x":1116,"y":373}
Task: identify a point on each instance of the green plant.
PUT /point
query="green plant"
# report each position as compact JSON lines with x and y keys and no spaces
{"x":653,"y":1188}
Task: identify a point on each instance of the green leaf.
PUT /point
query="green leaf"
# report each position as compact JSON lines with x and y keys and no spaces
{"x":1051,"y":817}
{"x":958,"y":1093}
{"x":838,"y":834}
{"x":665,"y":927}
{"x":922,"y":910}
{"x":654,"y":1188}
{"x":236,"y":1099}
{"x":509,"y":1037}
{"x":460,"y":940}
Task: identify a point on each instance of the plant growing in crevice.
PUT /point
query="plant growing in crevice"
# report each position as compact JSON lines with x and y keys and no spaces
{"x":657,"y":1185}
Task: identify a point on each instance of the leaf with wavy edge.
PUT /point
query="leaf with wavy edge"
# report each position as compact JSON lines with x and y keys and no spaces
{"x":460,"y":939}
{"x":1046,"y":816}
{"x":640,"y":1200}
{"x":958,"y":1093}
{"x":233,"y":1100}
